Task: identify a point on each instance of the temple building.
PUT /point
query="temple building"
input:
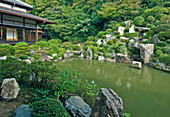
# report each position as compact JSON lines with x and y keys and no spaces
{"x":16,"y":24}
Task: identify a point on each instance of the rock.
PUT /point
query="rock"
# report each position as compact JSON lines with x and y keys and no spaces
{"x":161,"y":66}
{"x":132,"y":29}
{"x":3,"y":58}
{"x":127,"y":23}
{"x":110,"y":60}
{"x":137,"y":45}
{"x":50,"y":58}
{"x":136,"y":64}
{"x":22,"y":111}
{"x":150,"y":64}
{"x":9,"y":89}
{"x":123,"y":38}
{"x":76,"y":52}
{"x":136,"y":39}
{"x":54,"y":55}
{"x":108,"y":37}
{"x":89,"y":53}
{"x":155,"y":39}
{"x":28,"y":61}
{"x":108,"y":104}
{"x":101,"y":58}
{"x":113,"y":55}
{"x":135,"y":57}
{"x":121,"y":30}
{"x":142,"y":28}
{"x":68,"y":54}
{"x":77,"y":107}
{"x":168,"y":51}
{"x":81,"y":56}
{"x":32,"y":52}
{"x":145,"y":39}
{"x":99,"y":42}
{"x":146,"y":52}
{"x":122,"y":58}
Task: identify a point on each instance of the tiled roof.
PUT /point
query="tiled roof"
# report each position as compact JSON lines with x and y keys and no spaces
{"x":20,"y":3}
{"x":24,"y":14}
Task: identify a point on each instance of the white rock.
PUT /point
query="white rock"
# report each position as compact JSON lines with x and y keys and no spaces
{"x":28,"y":61}
{"x":123,"y":38}
{"x":99,"y":42}
{"x":50,"y":57}
{"x":107,"y":35}
{"x":136,"y":64}
{"x":54,"y":55}
{"x":132,"y":29}
{"x":3,"y":58}
{"x":121,"y":30}
{"x":101,"y":58}
{"x":10,"y":89}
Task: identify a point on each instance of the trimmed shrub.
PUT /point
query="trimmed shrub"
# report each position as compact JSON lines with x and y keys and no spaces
{"x":109,"y":30}
{"x":167,"y":4}
{"x":127,"y":29}
{"x":164,"y":49}
{"x":76,"y":48}
{"x":49,"y":54}
{"x":146,"y":37}
{"x":162,"y":27}
{"x":23,"y":56}
{"x":145,"y":42}
{"x":52,"y":51}
{"x":150,"y":33}
{"x":42,"y":40}
{"x":165,"y":58}
{"x":168,"y":41}
{"x":161,"y":44}
{"x":41,"y":44}
{"x":108,"y":55}
{"x":53,"y":47}
{"x":127,"y":34}
{"x":106,"y":46}
{"x":66,"y":44}
{"x":6,"y":49}
{"x":158,"y":52}
{"x":118,"y":36}
{"x":150,"y":19}
{"x":157,"y":23}
{"x":110,"y":42}
{"x":28,"y":53}
{"x":139,"y":21}
{"x":115,"y":40}
{"x":49,"y":108}
{"x":95,"y":44}
{"x":100,"y":34}
{"x":85,"y":48}
{"x":103,"y":50}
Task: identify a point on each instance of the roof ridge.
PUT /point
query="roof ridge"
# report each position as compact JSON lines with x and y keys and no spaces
{"x":24,"y":3}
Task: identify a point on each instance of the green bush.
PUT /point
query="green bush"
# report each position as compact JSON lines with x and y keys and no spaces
{"x":164,"y":49}
{"x":52,"y":51}
{"x":49,"y":108}
{"x":108,"y":55}
{"x":162,"y":27}
{"x":6,"y":50}
{"x":106,"y":46}
{"x":42,"y":40}
{"x":157,"y":23}
{"x":150,"y":19}
{"x":146,"y":37}
{"x":55,"y":57}
{"x":150,"y":33}
{"x":103,"y":50}
{"x":164,"y":35}
{"x":53,"y":47}
{"x":95,"y":44}
{"x":139,"y":21}
{"x":100,"y":34}
{"x":165,"y":58}
{"x":41,"y":44}
{"x":118,"y":36}
{"x":49,"y":54}
{"x":110,"y":42}
{"x":127,"y":29}
{"x":167,"y":4}
{"x":67,"y":44}
{"x":115,"y":40}
{"x":28,"y":53}
{"x":158,"y":52}
{"x":76,"y":48}
{"x":85,"y":48}
{"x":21,"y":48}
{"x":161,"y":44}
{"x":23,"y":56}
{"x":54,"y":41}
{"x":109,"y":30}
{"x":168,"y":41}
{"x":127,"y":34}
{"x":145,"y":42}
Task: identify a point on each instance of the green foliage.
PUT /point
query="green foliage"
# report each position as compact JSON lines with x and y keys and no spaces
{"x":67,"y":44}
{"x":21,"y":48}
{"x":161,"y":44}
{"x":127,"y":114}
{"x":108,"y":55}
{"x":28,"y":53}
{"x":50,"y":107}
{"x":162,"y":27}
{"x":139,"y":21}
{"x":164,"y":49}
{"x":42,"y":40}
{"x":158,"y":52}
{"x":6,"y":50}
{"x":150,"y":33}
{"x":115,"y":40}
{"x":41,"y":44}
{"x":76,"y":48}
{"x":146,"y":37}
{"x":165,"y":58}
{"x":106,"y":46}
{"x":52,"y":51}
{"x":100,"y":34}
{"x":53,"y":47}
{"x":150,"y":19}
{"x":23,"y":56}
{"x":110,"y":42}
{"x":49,"y":54}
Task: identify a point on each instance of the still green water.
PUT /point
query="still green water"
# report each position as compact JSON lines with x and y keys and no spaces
{"x":145,"y":92}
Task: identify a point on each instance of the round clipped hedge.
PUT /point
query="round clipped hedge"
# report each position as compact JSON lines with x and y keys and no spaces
{"x":49,"y":108}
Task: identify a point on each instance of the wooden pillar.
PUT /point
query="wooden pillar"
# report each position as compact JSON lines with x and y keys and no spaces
{"x":24,"y":29}
{"x":36,"y":32}
{"x":23,"y":34}
{"x":1,"y":33}
{"x":29,"y":34}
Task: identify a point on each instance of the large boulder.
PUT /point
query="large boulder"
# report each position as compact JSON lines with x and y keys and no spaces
{"x":155,"y":39}
{"x":146,"y":52}
{"x":68,"y":54}
{"x":89,"y":53}
{"x":77,"y":107}
{"x":108,"y":104}
{"x":136,"y":64}
{"x":132,"y":29}
{"x":122,"y":58}
{"x":9,"y":89}
{"x":22,"y":111}
{"x":127,"y":23}
{"x":110,"y":60}
{"x":32,"y":52}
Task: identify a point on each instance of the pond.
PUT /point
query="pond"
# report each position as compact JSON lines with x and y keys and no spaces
{"x":145,"y":92}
